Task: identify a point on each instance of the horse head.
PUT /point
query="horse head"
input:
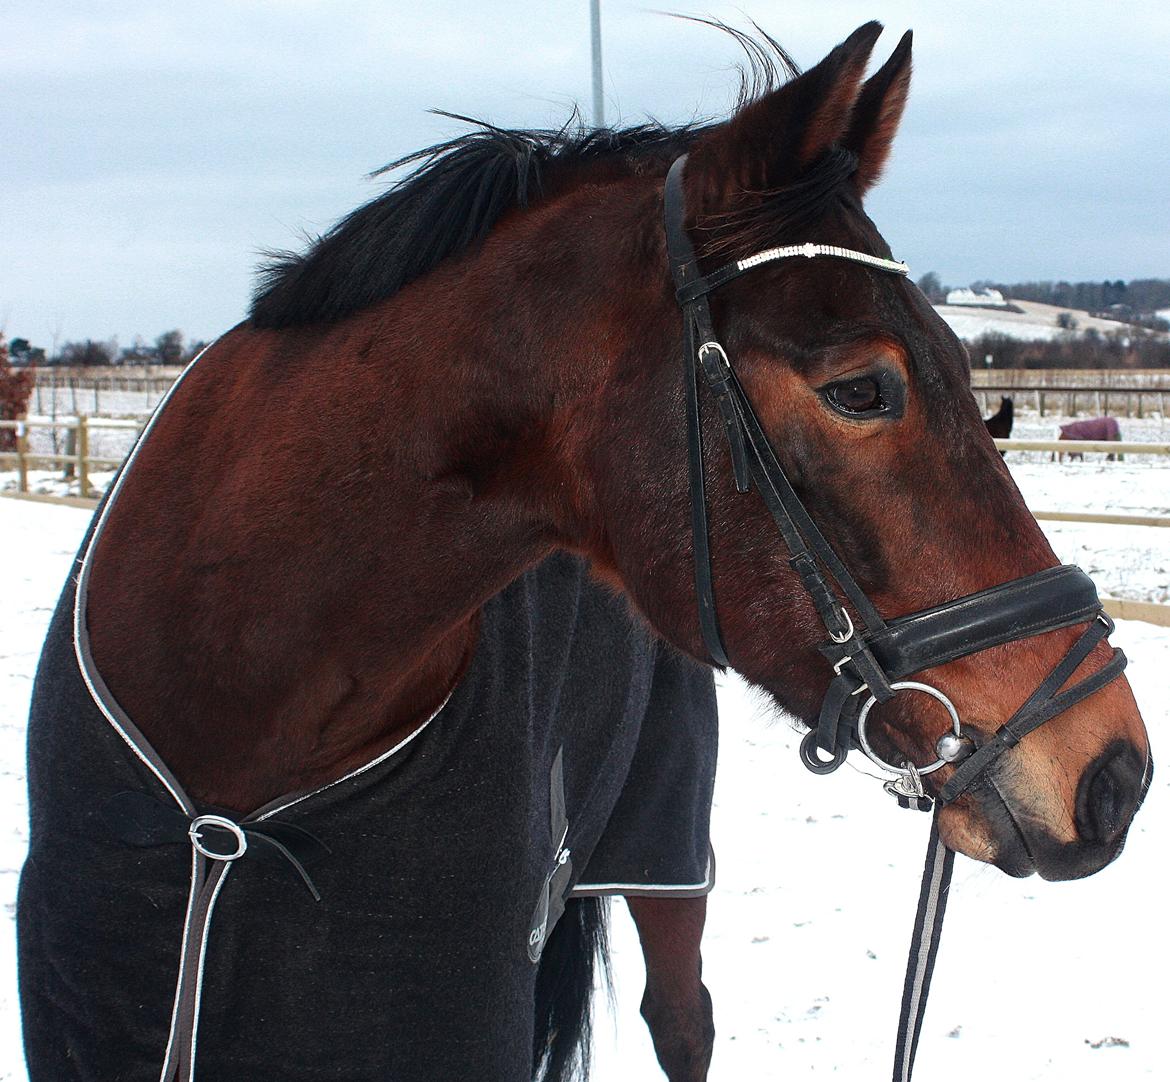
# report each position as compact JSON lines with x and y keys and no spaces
{"x":863,"y":393}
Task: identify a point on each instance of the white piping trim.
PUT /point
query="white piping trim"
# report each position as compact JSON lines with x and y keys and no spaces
{"x":361,"y":769}
{"x":177,"y":795}
{"x":649,"y":888}
{"x":137,"y":742}
{"x":85,"y":663}
{"x":809,"y":250}
{"x":172,"y":1036}
{"x":199,"y":970}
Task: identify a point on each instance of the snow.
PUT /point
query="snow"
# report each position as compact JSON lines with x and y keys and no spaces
{"x":817,"y":876}
{"x":1036,"y":321}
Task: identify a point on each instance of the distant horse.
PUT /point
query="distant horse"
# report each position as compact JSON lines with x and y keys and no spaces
{"x":999,"y":424}
{"x":397,"y":627}
{"x":1101,"y":429}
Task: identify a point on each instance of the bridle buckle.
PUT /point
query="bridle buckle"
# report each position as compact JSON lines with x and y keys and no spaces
{"x":842,"y":636}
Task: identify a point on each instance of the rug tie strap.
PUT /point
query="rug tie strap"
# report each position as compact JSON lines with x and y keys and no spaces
{"x":217,"y":842}
{"x":138,"y":819}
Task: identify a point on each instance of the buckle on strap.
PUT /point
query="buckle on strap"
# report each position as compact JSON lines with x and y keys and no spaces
{"x":218,"y":823}
{"x":717,"y":370}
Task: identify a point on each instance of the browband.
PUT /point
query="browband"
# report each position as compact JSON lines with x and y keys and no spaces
{"x":708,"y":282}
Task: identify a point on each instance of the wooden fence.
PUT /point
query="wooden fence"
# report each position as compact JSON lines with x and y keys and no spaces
{"x":1115,"y":379}
{"x":77,"y":461}
{"x":1079,"y":447}
{"x":1069,"y":401}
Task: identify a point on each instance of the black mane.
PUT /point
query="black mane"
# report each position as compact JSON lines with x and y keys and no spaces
{"x":447,"y":204}
{"x":456,"y":193}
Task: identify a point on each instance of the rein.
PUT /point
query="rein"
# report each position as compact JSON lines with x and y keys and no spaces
{"x":870,"y":657}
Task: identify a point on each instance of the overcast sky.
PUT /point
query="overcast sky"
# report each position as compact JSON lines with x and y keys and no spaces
{"x":150,"y":149}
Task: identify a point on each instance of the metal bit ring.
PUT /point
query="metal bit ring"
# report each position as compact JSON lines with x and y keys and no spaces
{"x":906,"y":685}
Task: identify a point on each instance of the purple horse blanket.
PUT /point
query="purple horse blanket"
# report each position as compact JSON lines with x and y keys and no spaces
{"x":1092,"y":428}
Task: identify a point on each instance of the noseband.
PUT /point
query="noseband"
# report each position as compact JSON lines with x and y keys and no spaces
{"x":871,"y":657}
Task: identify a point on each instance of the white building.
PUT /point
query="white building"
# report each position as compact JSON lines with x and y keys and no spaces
{"x":984,"y":298}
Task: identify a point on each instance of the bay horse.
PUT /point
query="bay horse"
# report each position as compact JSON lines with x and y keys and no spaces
{"x":389,"y":480}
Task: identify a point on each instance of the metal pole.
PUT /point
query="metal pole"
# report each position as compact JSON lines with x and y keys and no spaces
{"x":598,"y":103}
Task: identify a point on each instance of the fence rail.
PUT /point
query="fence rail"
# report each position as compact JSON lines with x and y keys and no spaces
{"x":1098,"y":401}
{"x":1113,"y":379}
{"x":79,"y":428}
{"x":1077,"y":447}
{"x":78,"y":461}
{"x":1152,"y":612}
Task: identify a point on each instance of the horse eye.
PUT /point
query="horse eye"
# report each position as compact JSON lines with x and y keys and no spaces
{"x":852,"y":396}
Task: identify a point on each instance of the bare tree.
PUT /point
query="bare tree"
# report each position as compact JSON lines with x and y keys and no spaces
{"x":169,"y":347}
{"x":87,"y":353}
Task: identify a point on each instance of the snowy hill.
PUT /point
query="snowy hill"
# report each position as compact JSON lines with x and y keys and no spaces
{"x":1036,"y":322}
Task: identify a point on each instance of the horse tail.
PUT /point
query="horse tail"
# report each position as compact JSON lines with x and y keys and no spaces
{"x":564,"y":990}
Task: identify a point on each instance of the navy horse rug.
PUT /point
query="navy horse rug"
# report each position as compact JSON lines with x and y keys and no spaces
{"x":388,"y":925}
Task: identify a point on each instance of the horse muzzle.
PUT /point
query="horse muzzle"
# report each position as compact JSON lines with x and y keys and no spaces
{"x":1109,"y":793}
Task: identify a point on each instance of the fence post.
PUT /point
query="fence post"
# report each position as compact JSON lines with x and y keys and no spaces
{"x":22,"y":456}
{"x":83,"y":456}
{"x":69,"y":469}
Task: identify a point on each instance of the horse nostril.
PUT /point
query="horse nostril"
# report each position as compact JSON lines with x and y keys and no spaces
{"x":1109,"y":792}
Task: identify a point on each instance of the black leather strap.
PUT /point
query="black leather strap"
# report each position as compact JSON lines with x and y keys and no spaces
{"x":1045,"y":703}
{"x":751,"y":452}
{"x":683,"y":268}
{"x":140,"y":820}
{"x":1053,"y":598}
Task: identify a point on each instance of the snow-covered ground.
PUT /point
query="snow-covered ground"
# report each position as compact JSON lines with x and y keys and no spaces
{"x":818,"y":878}
{"x":1035,"y":322}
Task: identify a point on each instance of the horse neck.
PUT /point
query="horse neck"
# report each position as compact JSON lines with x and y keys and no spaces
{"x":308,"y":592}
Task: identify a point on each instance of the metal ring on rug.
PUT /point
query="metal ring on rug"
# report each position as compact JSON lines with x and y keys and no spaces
{"x":220,"y":823}
{"x":907,"y":685}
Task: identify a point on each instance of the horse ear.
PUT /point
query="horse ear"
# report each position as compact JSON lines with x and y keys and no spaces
{"x":877,"y":113}
{"x":768,"y":142}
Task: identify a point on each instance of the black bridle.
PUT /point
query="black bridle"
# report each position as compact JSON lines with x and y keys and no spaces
{"x":870,"y":656}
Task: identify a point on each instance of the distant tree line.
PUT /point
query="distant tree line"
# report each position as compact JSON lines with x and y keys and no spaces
{"x":1117,"y":349}
{"x":1136,"y":301}
{"x":168,"y":348}
{"x":1141,"y":297}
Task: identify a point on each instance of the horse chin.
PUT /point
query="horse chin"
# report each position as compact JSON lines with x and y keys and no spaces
{"x":1003,"y":833}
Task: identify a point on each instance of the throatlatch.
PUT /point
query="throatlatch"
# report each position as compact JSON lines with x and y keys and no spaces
{"x":871,"y":657}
